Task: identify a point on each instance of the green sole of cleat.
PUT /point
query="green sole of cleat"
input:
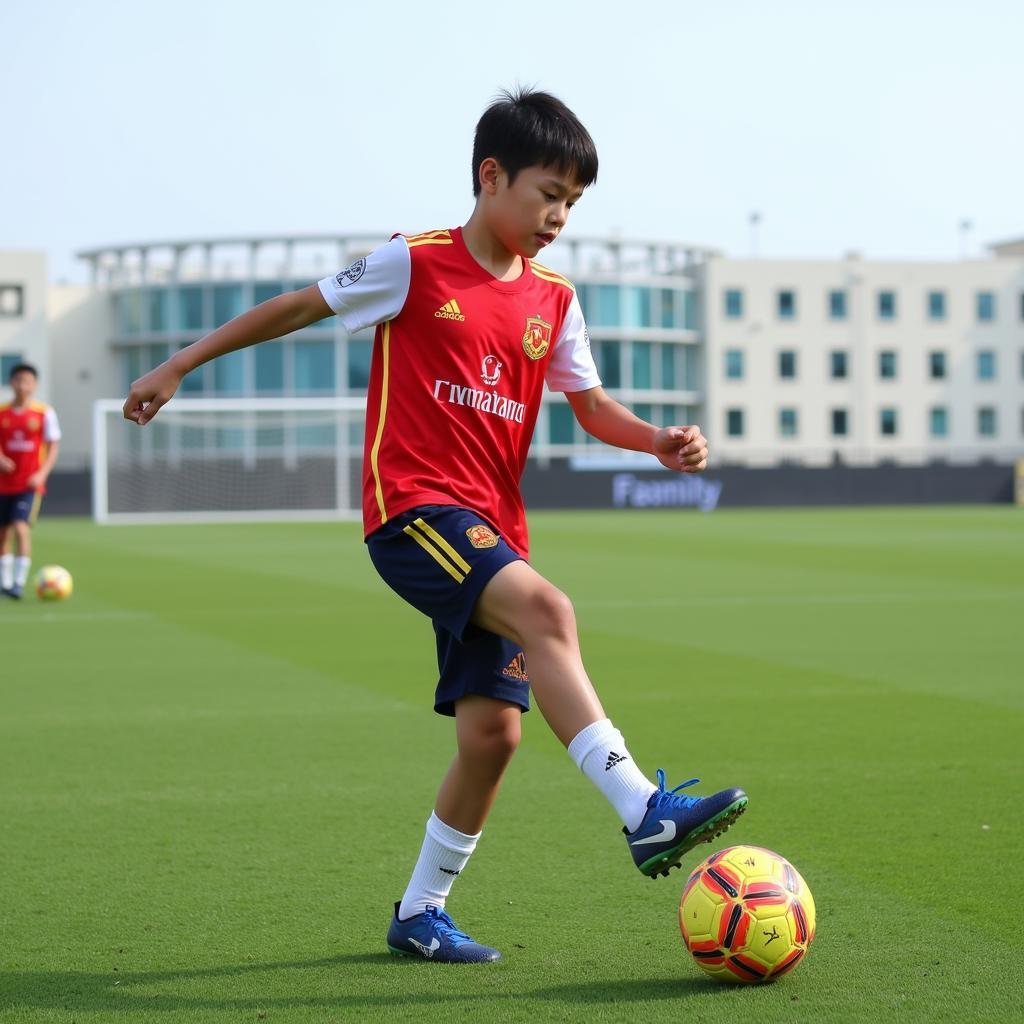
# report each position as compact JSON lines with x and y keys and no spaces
{"x":399,"y":952}
{"x":708,"y":832}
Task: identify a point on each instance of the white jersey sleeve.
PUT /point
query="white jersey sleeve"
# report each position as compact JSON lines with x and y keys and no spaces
{"x":572,"y":367}
{"x":371,"y":290}
{"x":51,"y":425}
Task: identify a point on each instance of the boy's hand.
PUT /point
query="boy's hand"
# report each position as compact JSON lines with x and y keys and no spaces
{"x":150,"y":392}
{"x":35,"y":481}
{"x":684,"y":449}
{"x":6,"y":464}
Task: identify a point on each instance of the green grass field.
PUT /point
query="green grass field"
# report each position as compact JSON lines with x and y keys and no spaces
{"x":217,"y":758}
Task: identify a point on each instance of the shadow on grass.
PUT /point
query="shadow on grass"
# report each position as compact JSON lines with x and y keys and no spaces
{"x":122,"y":991}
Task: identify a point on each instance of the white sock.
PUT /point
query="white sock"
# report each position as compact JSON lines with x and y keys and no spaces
{"x":21,"y":564}
{"x":7,"y":571}
{"x":600,"y":753}
{"x":443,"y":855}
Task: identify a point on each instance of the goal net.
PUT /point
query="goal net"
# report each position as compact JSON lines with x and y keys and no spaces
{"x":232,"y":459}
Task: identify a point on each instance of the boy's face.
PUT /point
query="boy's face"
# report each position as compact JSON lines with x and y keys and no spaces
{"x":530,"y":213}
{"x":23,"y":385}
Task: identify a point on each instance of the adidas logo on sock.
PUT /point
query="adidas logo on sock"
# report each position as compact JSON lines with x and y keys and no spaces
{"x":448,"y":871}
{"x":614,"y":759}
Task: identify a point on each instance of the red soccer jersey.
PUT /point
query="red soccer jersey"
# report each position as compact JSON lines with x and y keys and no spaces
{"x":456,"y":378}
{"x":25,"y":433}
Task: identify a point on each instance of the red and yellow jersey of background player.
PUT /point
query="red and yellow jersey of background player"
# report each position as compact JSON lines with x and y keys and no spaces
{"x":25,"y":433}
{"x":459,"y":364}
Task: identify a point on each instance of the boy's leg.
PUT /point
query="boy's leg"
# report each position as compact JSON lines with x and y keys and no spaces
{"x":518,"y":603}
{"x":6,"y":557}
{"x":23,"y":559}
{"x":488,"y":732}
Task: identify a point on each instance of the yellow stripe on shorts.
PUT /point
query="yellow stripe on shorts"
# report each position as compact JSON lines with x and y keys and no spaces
{"x":434,"y":553}
{"x":443,"y":545}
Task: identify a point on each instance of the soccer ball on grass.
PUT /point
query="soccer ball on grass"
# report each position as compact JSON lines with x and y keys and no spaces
{"x":53,"y":583}
{"x":746,"y":915}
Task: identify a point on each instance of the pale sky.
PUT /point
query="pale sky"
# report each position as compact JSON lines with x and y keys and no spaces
{"x":876,"y":126}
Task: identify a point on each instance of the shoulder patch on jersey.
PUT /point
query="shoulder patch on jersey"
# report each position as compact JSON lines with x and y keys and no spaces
{"x":442,"y":237}
{"x":545,"y":274}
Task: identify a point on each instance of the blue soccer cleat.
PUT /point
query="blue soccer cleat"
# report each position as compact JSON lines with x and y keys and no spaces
{"x":14,"y":591}
{"x":674,"y":824}
{"x":432,"y":935}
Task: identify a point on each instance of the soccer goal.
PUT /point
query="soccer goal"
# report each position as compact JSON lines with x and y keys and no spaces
{"x":229,"y":459}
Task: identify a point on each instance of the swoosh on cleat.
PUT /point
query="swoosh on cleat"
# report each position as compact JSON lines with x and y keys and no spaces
{"x":666,"y":835}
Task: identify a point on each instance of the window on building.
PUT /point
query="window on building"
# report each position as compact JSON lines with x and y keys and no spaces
{"x":194,"y":383}
{"x":787,"y":422}
{"x":840,"y":422}
{"x":641,"y":364}
{"x":985,"y":305}
{"x":986,"y":421}
{"x":268,"y":367}
{"x":686,"y":367}
{"x":1022,"y":305}
{"x":158,"y":308}
{"x":839,"y":368}
{"x":645,"y":410}
{"x":9,"y":360}
{"x":190,"y":307}
{"x":837,"y":304}
{"x":561,"y":423}
{"x":636,"y":308}
{"x":886,"y":305}
{"x":936,"y":305}
{"x":605,"y":306}
{"x":887,"y":422}
{"x":937,"y":365}
{"x":129,"y":311}
{"x":314,"y":367}
{"x":668,"y":366}
{"x":733,"y":303}
{"x":12,"y":301}
{"x":734,"y":422}
{"x":610,"y":363}
{"x":786,"y":304}
{"x":887,"y":365}
{"x":667,"y":315}
{"x":787,"y":364}
{"x":986,"y":360}
{"x":263,"y":290}
{"x":938,"y":421}
{"x":734,"y":363}
{"x":360,"y":353}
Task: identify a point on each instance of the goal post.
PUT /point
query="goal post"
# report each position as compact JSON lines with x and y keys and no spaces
{"x":230,"y":460}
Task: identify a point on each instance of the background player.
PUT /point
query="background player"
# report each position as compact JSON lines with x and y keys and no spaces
{"x":469,"y":329}
{"x":29,"y":443}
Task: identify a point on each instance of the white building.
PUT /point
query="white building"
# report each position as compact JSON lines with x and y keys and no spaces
{"x":865,"y":362}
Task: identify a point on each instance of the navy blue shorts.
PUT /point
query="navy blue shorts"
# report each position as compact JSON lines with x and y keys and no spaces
{"x":439,"y":558}
{"x":18,"y":507}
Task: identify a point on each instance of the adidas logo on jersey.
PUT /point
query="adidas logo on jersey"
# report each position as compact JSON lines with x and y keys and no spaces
{"x":450,"y":311}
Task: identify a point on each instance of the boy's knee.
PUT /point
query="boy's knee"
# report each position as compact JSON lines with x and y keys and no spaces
{"x":494,"y":741}
{"x":553,"y":612}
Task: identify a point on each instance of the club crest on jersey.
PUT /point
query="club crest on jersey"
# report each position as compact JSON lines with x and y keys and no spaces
{"x":490,"y":370}
{"x":481,"y":536}
{"x":537,"y":339}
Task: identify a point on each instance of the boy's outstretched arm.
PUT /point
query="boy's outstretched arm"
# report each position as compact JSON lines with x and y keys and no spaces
{"x":271,"y":319}
{"x":684,"y":449}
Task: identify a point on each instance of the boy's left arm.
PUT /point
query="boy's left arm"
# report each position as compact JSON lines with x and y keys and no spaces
{"x":683,"y":449}
{"x":38,"y":478}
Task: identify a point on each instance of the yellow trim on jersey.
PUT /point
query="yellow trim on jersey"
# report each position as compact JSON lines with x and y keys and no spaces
{"x":434,"y":553}
{"x":34,"y":513}
{"x":375,"y":450}
{"x":443,"y":545}
{"x":442,"y":237}
{"x":545,"y":274}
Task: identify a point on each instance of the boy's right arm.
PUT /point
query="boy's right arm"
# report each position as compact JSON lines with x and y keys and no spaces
{"x":271,"y":319}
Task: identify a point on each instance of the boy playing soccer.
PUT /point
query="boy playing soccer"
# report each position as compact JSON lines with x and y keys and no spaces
{"x":468,"y":329}
{"x":29,"y":442}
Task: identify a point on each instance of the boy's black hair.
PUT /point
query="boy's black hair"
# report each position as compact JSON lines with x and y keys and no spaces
{"x":23,"y":368}
{"x":525,"y":128}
